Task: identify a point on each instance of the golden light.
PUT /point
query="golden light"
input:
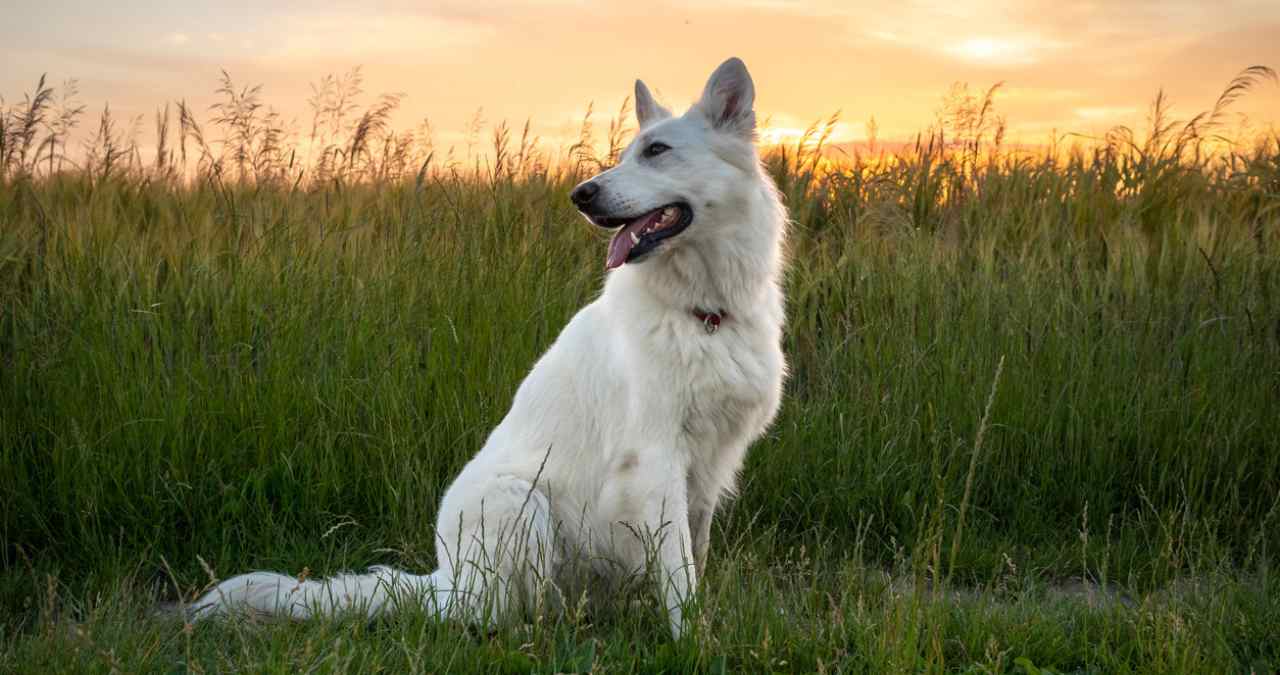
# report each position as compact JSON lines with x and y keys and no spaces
{"x":1105,"y":112}
{"x":772,"y":135}
{"x":992,"y":50}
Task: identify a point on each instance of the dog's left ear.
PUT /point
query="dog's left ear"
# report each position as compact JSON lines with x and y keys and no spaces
{"x":647,"y":109}
{"x":729,"y":98}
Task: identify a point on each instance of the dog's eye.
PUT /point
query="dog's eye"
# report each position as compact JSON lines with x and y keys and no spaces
{"x":654,"y":149}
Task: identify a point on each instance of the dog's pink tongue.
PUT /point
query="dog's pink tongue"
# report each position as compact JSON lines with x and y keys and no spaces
{"x":619,"y":249}
{"x":621,"y":244}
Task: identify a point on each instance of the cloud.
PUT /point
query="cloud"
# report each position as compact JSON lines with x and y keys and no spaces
{"x":1041,"y":94}
{"x":1000,"y":51}
{"x":361,"y":35}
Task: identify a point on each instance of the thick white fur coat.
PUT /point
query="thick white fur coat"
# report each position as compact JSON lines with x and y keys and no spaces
{"x":633,"y":426}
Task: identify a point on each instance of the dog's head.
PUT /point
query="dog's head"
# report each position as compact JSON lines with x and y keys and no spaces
{"x":681,"y":178}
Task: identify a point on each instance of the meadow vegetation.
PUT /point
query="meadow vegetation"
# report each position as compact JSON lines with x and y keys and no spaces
{"x":1032,"y":422}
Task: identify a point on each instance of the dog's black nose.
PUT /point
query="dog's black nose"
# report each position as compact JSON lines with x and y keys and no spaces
{"x":583,"y":194}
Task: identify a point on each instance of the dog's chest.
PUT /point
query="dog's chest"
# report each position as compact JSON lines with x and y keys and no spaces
{"x":721,"y":387}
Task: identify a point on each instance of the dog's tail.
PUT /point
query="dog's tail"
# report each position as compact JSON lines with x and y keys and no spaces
{"x":381,"y":590}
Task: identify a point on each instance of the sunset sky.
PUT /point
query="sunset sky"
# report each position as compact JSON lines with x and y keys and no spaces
{"x":1067,"y":65}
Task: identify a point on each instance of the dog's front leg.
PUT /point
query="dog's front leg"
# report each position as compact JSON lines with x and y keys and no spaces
{"x":700,"y":514}
{"x":676,"y":572}
{"x":648,"y":516}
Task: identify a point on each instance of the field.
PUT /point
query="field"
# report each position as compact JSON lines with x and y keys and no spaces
{"x":1031,"y":423}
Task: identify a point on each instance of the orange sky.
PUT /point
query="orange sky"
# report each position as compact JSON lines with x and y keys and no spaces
{"x":1067,"y":65}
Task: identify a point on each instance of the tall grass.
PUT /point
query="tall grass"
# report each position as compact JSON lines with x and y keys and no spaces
{"x":259,"y":352}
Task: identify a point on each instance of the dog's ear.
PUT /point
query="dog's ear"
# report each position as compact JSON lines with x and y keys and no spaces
{"x":647,"y":109}
{"x":728,"y":100}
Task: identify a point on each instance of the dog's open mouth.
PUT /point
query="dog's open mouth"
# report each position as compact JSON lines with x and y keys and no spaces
{"x":642,"y":234}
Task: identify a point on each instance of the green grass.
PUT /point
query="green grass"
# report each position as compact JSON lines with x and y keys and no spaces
{"x":248,"y":374}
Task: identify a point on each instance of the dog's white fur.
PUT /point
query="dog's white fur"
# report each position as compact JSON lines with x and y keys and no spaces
{"x":633,"y":426}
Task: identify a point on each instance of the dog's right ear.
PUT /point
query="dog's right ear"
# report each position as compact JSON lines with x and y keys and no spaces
{"x":647,"y":110}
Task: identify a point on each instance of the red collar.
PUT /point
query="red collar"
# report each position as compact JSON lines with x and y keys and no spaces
{"x":710,"y":320}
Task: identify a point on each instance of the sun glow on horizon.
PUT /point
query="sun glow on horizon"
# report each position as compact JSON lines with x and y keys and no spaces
{"x":771,"y":135}
{"x":994,"y":50}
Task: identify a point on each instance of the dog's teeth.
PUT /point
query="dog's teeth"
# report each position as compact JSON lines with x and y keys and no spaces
{"x":635,"y":238}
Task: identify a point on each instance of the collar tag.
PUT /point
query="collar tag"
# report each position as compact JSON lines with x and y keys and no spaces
{"x":710,"y":320}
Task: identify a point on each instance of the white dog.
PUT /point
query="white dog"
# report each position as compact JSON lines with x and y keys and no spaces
{"x":633,"y":426}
